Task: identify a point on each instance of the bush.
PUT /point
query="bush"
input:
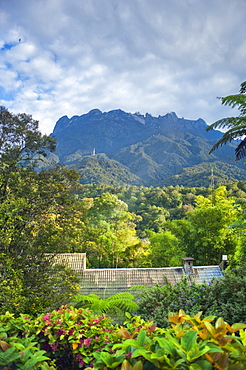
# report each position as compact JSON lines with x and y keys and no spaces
{"x":224,"y":297}
{"x":155,"y":303}
{"x":71,"y":338}
{"x":18,"y":351}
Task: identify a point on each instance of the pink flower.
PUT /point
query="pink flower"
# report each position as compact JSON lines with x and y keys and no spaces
{"x":46,"y":317}
{"x":60,"y":332}
{"x":54,"y":346}
{"x":81,"y":363}
{"x":87,"y":342}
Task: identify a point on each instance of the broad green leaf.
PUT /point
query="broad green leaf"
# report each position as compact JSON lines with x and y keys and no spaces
{"x":204,"y":364}
{"x":238,"y":326}
{"x":189,"y":339}
{"x":141,"y":337}
{"x":8,"y":356}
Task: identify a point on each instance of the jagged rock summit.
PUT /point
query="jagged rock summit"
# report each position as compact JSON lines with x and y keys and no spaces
{"x":117,"y":147}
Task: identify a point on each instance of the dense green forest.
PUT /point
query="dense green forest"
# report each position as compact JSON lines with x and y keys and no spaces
{"x":171,"y":222}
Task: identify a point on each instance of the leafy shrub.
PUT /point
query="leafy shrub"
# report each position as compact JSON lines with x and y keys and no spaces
{"x":224,"y":297}
{"x":155,"y":303}
{"x":191,"y":344}
{"x":18,"y":351}
{"x":11,"y":287}
{"x":71,"y":338}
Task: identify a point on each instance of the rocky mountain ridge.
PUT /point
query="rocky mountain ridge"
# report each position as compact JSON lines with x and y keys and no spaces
{"x":116,"y":147}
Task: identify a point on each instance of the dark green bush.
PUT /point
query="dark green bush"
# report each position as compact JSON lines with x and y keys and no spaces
{"x":224,"y":297}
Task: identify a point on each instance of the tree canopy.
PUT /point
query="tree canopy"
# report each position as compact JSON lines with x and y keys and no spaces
{"x":33,"y":206}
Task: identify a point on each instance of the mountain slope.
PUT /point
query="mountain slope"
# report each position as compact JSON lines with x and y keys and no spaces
{"x":122,"y":148}
{"x":99,"y":168}
{"x":206,"y":174}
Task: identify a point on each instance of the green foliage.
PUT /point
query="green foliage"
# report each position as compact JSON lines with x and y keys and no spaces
{"x":205,"y":234}
{"x":206,"y":174}
{"x":155,"y":303}
{"x":191,"y":344}
{"x":11,"y":292}
{"x":33,"y":209}
{"x":20,"y":139}
{"x":235,"y":126}
{"x":17,"y":351}
{"x":71,"y":338}
{"x":164,"y":249}
{"x":101,"y":169}
{"x":110,"y":230}
{"x":225,"y":297}
{"x":114,"y":306}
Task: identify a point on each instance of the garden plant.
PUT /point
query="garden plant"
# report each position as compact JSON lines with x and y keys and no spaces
{"x":71,"y":338}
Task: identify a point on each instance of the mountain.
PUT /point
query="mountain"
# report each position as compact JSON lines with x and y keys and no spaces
{"x":119,"y":148}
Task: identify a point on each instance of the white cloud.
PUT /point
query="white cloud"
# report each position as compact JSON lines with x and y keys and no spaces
{"x":64,"y":58}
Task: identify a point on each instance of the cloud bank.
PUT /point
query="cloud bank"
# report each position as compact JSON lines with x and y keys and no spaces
{"x":60,"y":57}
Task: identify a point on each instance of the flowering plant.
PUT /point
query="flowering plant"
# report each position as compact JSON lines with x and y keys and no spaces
{"x":71,"y":336}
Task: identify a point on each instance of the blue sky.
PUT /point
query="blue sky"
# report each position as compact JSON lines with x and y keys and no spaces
{"x":60,"y":57}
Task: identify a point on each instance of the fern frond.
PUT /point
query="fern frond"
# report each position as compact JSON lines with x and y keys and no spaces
{"x":232,"y":134}
{"x":123,"y":295}
{"x":81,"y":300}
{"x":124,"y":305}
{"x":99,"y":307}
{"x":241,"y":150}
{"x":224,"y":123}
{"x":233,"y":101}
{"x":139,"y":287}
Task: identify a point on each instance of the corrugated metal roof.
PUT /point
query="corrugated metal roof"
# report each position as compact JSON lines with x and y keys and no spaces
{"x":106,"y":282}
{"x":76,"y":261}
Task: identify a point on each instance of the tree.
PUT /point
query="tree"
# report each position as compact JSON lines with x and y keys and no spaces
{"x":33,"y":207}
{"x":164,"y":249}
{"x":20,"y":139}
{"x":236,"y":126}
{"x":210,"y":234}
{"x":111,"y":228}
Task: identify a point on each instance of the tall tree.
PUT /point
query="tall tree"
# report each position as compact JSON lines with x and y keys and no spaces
{"x":111,"y":228}
{"x":164,"y":249}
{"x":210,"y":233}
{"x":29,"y":203}
{"x":235,"y":126}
